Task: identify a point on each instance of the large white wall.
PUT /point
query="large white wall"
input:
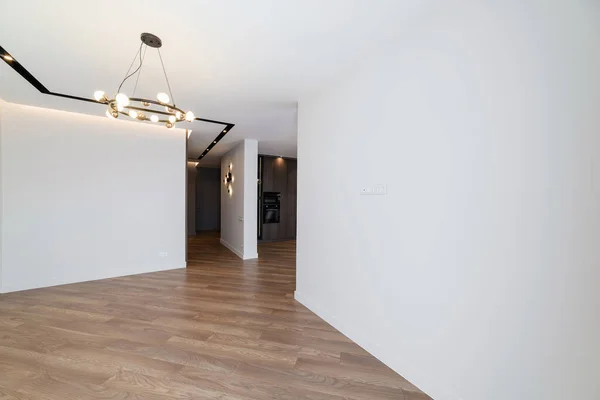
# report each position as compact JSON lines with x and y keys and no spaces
{"x":478,"y":275}
{"x":86,"y":197}
{"x":2,"y":108}
{"x":238,"y":209}
{"x":250,"y":198}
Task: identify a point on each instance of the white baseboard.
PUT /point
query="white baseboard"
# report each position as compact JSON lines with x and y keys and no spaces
{"x":21,"y":287}
{"x":233,"y":249}
{"x":238,"y":252}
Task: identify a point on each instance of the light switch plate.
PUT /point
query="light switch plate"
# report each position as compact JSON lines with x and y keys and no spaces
{"x":379,"y":189}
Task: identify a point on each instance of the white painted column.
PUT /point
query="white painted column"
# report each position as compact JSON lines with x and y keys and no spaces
{"x":239,"y":199}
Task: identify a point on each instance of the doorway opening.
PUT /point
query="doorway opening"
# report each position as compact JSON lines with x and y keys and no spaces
{"x":204,"y":200}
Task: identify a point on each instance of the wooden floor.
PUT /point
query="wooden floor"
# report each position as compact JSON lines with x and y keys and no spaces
{"x":220,"y":329}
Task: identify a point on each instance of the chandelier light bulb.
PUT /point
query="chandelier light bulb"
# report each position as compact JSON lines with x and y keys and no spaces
{"x":172,"y":119}
{"x":99,"y":95}
{"x":133,"y":114}
{"x":189,"y":116}
{"x":120,"y":107}
{"x":162,"y":97}
{"x":122,"y":99}
{"x":154,"y":118}
{"x":112,"y":114}
{"x":178,"y":115}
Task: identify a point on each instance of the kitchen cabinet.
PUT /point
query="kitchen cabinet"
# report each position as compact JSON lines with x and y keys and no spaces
{"x":278,"y":175}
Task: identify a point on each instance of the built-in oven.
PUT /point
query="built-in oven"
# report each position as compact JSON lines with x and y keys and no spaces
{"x":271,"y":207}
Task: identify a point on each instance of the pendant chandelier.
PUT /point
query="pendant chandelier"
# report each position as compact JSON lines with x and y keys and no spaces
{"x":140,"y":108}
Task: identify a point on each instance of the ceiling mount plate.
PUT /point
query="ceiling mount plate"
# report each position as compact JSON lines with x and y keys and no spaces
{"x":151,"y":40}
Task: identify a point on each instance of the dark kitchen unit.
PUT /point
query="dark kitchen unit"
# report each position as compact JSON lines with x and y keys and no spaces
{"x":276,"y":198}
{"x":271,"y":207}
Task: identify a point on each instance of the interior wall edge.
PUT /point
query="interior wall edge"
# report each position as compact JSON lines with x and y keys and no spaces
{"x":407,"y":368}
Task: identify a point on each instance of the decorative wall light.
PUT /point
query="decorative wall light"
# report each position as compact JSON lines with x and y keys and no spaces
{"x":228,"y":180}
{"x":147,"y":109}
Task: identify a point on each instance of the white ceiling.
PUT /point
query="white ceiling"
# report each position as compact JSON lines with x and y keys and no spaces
{"x":238,"y":61}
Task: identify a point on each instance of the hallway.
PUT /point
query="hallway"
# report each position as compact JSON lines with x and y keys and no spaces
{"x":221,"y":329}
{"x":274,"y":271}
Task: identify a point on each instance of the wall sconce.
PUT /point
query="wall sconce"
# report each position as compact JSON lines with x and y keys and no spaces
{"x":228,"y":180}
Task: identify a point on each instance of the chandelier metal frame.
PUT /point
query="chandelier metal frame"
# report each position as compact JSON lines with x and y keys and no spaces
{"x":121,"y":104}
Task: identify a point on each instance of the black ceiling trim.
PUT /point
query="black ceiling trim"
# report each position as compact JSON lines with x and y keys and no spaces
{"x":21,"y":70}
{"x":216,"y":140}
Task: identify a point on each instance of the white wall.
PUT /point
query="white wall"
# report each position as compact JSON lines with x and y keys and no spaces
{"x":86,"y":197}
{"x":238,"y":209}
{"x":478,"y":276}
{"x":2,"y":109}
{"x":250,"y":198}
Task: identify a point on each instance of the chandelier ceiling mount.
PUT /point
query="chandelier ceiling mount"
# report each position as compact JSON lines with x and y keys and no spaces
{"x":151,"y":40}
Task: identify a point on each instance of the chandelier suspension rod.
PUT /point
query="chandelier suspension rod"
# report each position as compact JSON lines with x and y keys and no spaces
{"x":166,"y":77}
{"x":140,"y":72}
{"x":140,"y":66}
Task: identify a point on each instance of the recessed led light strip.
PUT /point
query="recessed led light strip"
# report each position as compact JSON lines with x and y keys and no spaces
{"x":21,"y":70}
{"x":215,"y":141}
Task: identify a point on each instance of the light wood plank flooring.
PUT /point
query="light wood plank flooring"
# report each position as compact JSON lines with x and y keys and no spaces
{"x":220,"y":329}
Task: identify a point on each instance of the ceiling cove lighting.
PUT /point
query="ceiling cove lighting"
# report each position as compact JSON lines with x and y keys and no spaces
{"x":140,"y":108}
